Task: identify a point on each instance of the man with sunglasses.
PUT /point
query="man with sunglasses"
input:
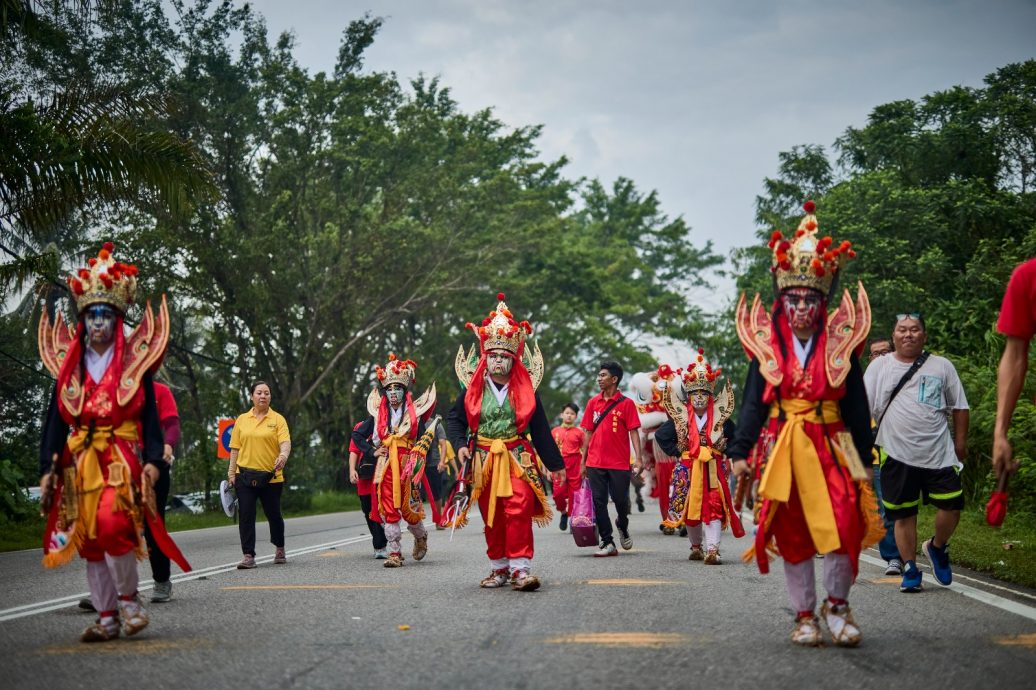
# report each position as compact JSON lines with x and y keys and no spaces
{"x":911,"y":393}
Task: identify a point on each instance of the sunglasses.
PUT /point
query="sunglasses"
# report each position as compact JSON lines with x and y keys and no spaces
{"x":909,"y":315}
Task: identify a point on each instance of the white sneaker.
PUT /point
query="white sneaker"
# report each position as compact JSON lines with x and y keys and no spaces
{"x":606,"y":550}
{"x":381,"y":554}
{"x":625,"y":540}
{"x":895,"y":567}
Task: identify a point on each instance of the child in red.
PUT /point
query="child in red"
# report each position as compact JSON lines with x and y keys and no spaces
{"x":569,"y":438}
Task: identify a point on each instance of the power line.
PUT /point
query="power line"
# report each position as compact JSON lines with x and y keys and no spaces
{"x":25,"y":364}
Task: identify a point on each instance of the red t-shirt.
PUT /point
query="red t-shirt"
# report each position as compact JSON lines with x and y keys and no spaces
{"x":165,"y":402}
{"x":569,"y":439}
{"x":1018,"y":312}
{"x":609,"y":447}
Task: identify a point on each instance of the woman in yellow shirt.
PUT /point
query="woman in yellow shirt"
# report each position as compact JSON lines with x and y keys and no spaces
{"x":259,"y":447}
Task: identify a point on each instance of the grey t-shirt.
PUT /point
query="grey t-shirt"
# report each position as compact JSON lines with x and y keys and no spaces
{"x":915,"y":429}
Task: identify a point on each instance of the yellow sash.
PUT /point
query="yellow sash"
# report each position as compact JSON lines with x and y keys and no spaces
{"x":794,"y":456}
{"x":394,"y":443}
{"x":498,"y":461}
{"x":697,"y":489}
{"x":89,"y":477}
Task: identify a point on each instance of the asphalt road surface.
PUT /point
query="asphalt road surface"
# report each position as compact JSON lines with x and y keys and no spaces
{"x":334,"y":617}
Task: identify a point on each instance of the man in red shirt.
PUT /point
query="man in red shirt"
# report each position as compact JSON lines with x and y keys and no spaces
{"x":611,"y":422}
{"x":1018,"y":322}
{"x":569,"y":438}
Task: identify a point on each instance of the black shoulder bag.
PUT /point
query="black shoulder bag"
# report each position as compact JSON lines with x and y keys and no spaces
{"x":918,"y":363}
{"x":605,"y":411}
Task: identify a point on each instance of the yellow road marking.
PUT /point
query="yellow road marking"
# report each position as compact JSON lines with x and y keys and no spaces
{"x":331,"y":554}
{"x":622,"y":639}
{"x":278,"y":587}
{"x":886,"y":580}
{"x":1028,"y":640}
{"x":633,"y":582}
{"x":132,"y":645}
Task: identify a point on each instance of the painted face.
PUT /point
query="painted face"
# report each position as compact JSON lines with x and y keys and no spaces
{"x":100,"y":324}
{"x":395,"y":394}
{"x":802,"y":307}
{"x":499,"y":363}
{"x":568,"y":416}
{"x":700,"y":401}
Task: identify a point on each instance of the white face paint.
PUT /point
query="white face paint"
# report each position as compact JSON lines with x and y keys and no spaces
{"x":498,"y":363}
{"x":395,"y":394}
{"x":100,"y":324}
{"x":700,"y":402}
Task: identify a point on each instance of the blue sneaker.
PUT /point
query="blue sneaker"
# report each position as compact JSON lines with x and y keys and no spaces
{"x":911,"y":578}
{"x":940,"y":560}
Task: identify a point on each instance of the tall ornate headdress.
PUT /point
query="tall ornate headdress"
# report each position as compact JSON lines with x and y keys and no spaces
{"x":803,"y":260}
{"x":500,"y":331}
{"x":401,"y":371}
{"x":104,"y":281}
{"x":700,"y":376}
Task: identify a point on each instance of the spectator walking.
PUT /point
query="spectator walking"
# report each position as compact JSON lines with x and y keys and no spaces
{"x":611,"y":422}
{"x":879,"y":347}
{"x":361,"y":474}
{"x":911,"y":393}
{"x":259,"y":448}
{"x":569,"y":438}
{"x":1018,"y":322}
{"x":169,"y":419}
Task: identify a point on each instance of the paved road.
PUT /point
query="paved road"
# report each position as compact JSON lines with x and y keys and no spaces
{"x":648,"y":619}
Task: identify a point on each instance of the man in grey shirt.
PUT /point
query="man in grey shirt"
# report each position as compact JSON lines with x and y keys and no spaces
{"x":923,"y":458}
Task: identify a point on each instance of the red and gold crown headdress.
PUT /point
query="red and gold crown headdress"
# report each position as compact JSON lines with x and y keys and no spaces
{"x":804,"y":260}
{"x":104,"y":281}
{"x":499,"y":330}
{"x":700,"y":376}
{"x":401,"y":371}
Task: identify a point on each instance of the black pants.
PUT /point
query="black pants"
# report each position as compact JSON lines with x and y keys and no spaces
{"x":159,"y":561}
{"x":376,"y":530}
{"x":270,"y":497}
{"x":614,"y":483}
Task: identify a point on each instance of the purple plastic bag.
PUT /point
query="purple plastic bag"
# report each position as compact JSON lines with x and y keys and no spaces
{"x":581,"y":516}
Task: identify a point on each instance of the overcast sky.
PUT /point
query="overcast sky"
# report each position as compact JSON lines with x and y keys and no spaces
{"x":692,"y":99}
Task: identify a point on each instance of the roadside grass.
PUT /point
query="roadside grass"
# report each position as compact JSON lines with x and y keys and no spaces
{"x":1007,"y":553}
{"x":28,"y":534}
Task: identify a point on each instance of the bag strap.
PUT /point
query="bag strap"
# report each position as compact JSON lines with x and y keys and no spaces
{"x":604,"y":413}
{"x":918,"y":363}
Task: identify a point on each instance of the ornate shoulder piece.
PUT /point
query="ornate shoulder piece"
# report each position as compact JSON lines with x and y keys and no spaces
{"x":724,"y":407}
{"x":144,"y":349}
{"x":373,"y":401}
{"x":425,"y":402}
{"x":54,"y":341}
{"x":532,"y":358}
{"x":677,"y":411}
{"x":847,"y":329}
{"x":754,"y":327}
{"x":465,"y":365}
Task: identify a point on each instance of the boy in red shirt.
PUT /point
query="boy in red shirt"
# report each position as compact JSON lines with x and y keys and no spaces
{"x":611,"y":422}
{"x":569,"y":438}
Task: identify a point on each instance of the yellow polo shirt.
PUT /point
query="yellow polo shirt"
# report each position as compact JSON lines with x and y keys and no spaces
{"x":259,"y":442}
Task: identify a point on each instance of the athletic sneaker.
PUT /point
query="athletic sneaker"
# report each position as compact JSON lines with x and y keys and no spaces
{"x":380,"y":554}
{"x":625,"y":539}
{"x":247,"y":562}
{"x":606,"y":550}
{"x":911,"y":578}
{"x":640,"y":504}
{"x":87,"y":604}
{"x":163,"y":592}
{"x":895,"y":567}
{"x":564,"y":522}
{"x":940,"y":560}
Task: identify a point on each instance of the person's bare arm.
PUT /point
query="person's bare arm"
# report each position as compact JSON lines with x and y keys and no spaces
{"x":960,"y":432}
{"x":638,"y":451}
{"x":354,"y":477}
{"x":582,"y":451}
{"x":1014,"y":364}
{"x":232,"y":468}
{"x":282,"y":458}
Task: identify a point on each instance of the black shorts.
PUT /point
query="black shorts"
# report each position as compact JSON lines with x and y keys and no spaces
{"x":903,"y":487}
